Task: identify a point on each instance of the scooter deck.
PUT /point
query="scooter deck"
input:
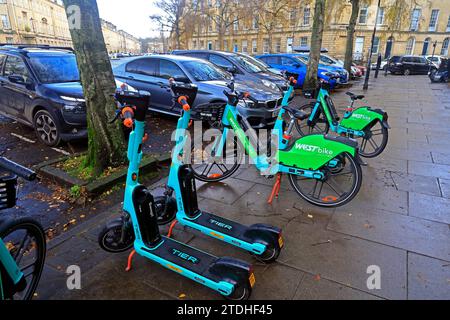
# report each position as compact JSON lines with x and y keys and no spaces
{"x":219,"y":224}
{"x":182,"y":255}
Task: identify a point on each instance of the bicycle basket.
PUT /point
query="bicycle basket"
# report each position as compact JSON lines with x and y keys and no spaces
{"x":209,"y":111}
{"x":8,"y":192}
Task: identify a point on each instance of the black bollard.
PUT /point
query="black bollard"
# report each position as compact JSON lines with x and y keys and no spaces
{"x":378,"y":65}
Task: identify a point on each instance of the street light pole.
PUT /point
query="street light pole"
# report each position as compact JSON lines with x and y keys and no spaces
{"x":366,"y":80}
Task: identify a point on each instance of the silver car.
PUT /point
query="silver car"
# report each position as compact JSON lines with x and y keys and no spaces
{"x":152,"y":74}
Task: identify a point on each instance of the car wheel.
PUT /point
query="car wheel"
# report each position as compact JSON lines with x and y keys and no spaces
{"x":46,"y":127}
{"x":407,"y":72}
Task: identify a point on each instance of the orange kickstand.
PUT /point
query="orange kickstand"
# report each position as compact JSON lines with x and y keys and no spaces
{"x":174,"y":223}
{"x":130,"y":260}
{"x":276,"y":189}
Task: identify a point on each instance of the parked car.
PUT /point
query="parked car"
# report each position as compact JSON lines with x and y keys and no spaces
{"x":436,"y":60}
{"x":410,"y":65}
{"x":295,"y":64}
{"x":40,"y":87}
{"x":442,"y":74}
{"x":344,"y":76}
{"x":244,"y":68}
{"x":383,"y":65}
{"x":152,"y":74}
{"x":326,"y":59}
{"x":362,"y":69}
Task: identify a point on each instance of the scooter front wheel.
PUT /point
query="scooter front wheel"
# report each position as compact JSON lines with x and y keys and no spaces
{"x":117,"y":236}
{"x":337,"y":188}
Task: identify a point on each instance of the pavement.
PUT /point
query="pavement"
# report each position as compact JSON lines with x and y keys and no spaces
{"x":398,"y":224}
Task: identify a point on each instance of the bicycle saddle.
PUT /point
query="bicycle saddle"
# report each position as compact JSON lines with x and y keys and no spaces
{"x":354,"y":96}
{"x":298,"y":114}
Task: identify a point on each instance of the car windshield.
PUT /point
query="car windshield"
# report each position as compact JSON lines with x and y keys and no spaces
{"x":56,"y":68}
{"x":302,"y":59}
{"x":249,"y":64}
{"x":205,"y":71}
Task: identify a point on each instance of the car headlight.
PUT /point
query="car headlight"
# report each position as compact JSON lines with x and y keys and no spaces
{"x":269,"y":84}
{"x":72,"y":99}
{"x":246,"y":104}
{"x":74,"y":108}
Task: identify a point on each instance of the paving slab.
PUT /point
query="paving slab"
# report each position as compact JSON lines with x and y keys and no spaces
{"x":417,"y":235}
{"x":387,"y":163}
{"x":441,"y":158}
{"x":407,"y":154}
{"x":411,"y":182}
{"x":429,"y":207}
{"x":445,"y":187}
{"x":430,"y":170}
{"x":428,"y":278}
{"x":344,"y":259}
{"x":227,"y":191}
{"x":315,"y":287}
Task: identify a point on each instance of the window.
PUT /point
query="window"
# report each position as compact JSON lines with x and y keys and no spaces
{"x":145,"y":67}
{"x":415,"y":18}
{"x":448,"y":25}
{"x":254,"y":46}
{"x":168,"y":69}
{"x":194,"y":44}
{"x":225,"y":45}
{"x":255,"y":22}
{"x":306,"y":16}
{"x":303,"y":41}
{"x":16,"y":66}
{"x":433,"y":20}
{"x":2,"y":61}
{"x":244,"y":46}
{"x":445,"y":45}
{"x":236,"y":24}
{"x":293,"y":17}
{"x":220,"y":61}
{"x":271,"y":60}
{"x":380,"y":17}
{"x":56,"y":69}
{"x":278,"y":45}
{"x":5,"y":21}
{"x":363,"y":15}
{"x":285,"y":61}
{"x":266,"y":46}
{"x":376,"y":45}
{"x":205,"y":71}
{"x":410,"y":45}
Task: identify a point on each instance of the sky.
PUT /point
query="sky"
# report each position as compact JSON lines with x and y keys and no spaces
{"x":130,"y":15}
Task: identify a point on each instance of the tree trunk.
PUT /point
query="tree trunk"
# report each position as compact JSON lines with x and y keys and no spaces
{"x":316,"y":45}
{"x":350,"y":35}
{"x":106,"y":145}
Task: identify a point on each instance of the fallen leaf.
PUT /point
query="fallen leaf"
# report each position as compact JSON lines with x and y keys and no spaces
{"x":182,"y":296}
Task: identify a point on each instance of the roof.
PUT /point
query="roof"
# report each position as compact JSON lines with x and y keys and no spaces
{"x":24,"y":49}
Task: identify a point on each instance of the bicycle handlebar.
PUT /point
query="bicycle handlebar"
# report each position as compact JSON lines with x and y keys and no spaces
{"x":17,"y":169}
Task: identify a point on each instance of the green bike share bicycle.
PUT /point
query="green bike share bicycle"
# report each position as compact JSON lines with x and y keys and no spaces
{"x":324,"y":170}
{"x":22,"y":241}
{"x":369,"y":126}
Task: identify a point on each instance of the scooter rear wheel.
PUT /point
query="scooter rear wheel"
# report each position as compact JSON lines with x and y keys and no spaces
{"x":270,"y":255}
{"x":241,"y":292}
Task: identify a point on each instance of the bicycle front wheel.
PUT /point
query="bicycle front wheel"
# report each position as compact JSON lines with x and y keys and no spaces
{"x":320,"y":125}
{"x":341,"y":183}
{"x":25,"y":240}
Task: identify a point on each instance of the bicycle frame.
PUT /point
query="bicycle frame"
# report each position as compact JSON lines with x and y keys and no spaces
{"x":353,"y":124}
{"x":307,"y":161}
{"x":10,"y":266}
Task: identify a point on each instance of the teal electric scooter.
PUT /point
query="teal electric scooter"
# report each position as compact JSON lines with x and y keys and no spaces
{"x":138,"y":227}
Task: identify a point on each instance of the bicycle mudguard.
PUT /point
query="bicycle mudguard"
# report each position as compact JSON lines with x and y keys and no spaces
{"x":314,"y":151}
{"x":362,"y":117}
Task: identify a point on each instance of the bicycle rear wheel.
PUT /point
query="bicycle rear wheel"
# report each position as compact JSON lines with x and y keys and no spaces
{"x":320,"y":126}
{"x":341,"y":184}
{"x":25,"y":240}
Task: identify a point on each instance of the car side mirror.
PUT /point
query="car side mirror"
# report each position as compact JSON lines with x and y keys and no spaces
{"x":233,"y":70}
{"x":182,"y":79}
{"x":18,"y":79}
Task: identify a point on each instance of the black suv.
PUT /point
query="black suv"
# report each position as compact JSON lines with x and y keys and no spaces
{"x":410,"y":65}
{"x":40,"y":87}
